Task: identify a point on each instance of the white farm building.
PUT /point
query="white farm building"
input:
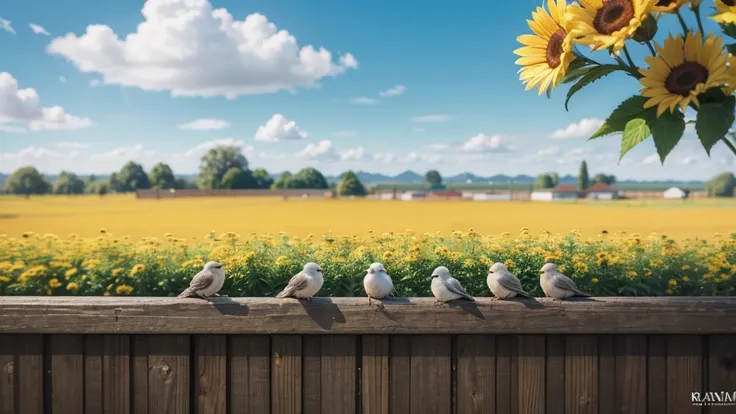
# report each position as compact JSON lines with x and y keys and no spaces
{"x":675,"y":193}
{"x":413,"y":195}
{"x":601,"y":191}
{"x":561,"y":192}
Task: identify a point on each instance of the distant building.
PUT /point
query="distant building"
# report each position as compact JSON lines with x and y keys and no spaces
{"x":561,"y":192}
{"x":446,"y":194}
{"x":492,"y":197}
{"x":600,"y":191}
{"x":413,"y":195}
{"x":675,"y":193}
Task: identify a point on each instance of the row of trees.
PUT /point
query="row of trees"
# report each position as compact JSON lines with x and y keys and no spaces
{"x":552,"y":179}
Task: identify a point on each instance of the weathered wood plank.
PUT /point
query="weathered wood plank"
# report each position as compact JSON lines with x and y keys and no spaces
{"x":555,"y":375}
{"x":30,"y":391}
{"x":136,"y":315}
{"x":211,"y":380}
{"x":631,"y":374}
{"x":531,"y":357}
{"x":476,"y":374}
{"x":339,"y":373}
{"x":507,"y":384}
{"x":721,"y":368}
{"x":250,"y":365}
{"x":286,"y":374}
{"x":7,"y":374}
{"x":431,"y":370}
{"x":607,"y":374}
{"x":399,"y":374}
{"x":312,"y":373}
{"x":67,"y":374}
{"x":581,"y":374}
{"x":93,"y":392}
{"x":116,"y":374}
{"x":168,"y":374}
{"x":657,"y":374}
{"x":684,"y":372}
{"x":375,"y":374}
{"x":139,"y":353}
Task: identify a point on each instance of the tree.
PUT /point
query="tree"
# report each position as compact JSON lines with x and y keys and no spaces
{"x":308,"y":178}
{"x":583,"y":177}
{"x":283,"y":181}
{"x":115,"y":185}
{"x":133,"y":177}
{"x":161,"y":176}
{"x":721,"y":185}
{"x":555,"y":178}
{"x":27,"y":181}
{"x":68,"y":183}
{"x":216,"y":163}
{"x":90,"y":184}
{"x":350,"y":185}
{"x":236,"y":179}
{"x":604,"y":179}
{"x":434,"y":178}
{"x":184,"y":184}
{"x":544,"y":181}
{"x":262,"y":179}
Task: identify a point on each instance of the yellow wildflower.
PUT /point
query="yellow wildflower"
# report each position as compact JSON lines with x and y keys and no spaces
{"x":631,"y":274}
{"x":71,"y":272}
{"x":685,"y":279}
{"x":54,"y":283}
{"x":594,"y":280}
{"x":137,"y":269}
{"x":106,"y":294}
{"x":510,"y":264}
{"x":123,"y":290}
{"x":4,"y":279}
{"x":670,"y":292}
{"x":117,"y":271}
{"x":72,"y":287}
{"x":686,"y":267}
{"x":725,"y":277}
{"x":468,"y":262}
{"x":672,"y":282}
{"x":647,"y":272}
{"x":282,"y":261}
{"x":387,"y":255}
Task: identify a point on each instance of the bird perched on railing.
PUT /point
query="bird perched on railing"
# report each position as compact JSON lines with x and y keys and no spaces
{"x":377,"y":283}
{"x":504,"y":284}
{"x":305,"y":284}
{"x":206,"y":283}
{"x":556,"y":285}
{"x":446,"y":288}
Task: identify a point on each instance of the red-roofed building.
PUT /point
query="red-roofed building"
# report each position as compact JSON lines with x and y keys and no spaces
{"x":600,"y":191}
{"x":561,"y":192}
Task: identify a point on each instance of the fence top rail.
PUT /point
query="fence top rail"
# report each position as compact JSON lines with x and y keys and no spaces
{"x":146,"y":315}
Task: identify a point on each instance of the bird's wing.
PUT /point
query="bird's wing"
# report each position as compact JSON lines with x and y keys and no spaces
{"x":512,"y":283}
{"x":454,"y":286}
{"x":563,"y":282}
{"x":297,"y":283}
{"x":201,"y":280}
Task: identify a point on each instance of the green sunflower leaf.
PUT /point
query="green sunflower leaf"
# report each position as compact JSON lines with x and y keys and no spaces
{"x":714,"y":120}
{"x":591,"y":76}
{"x":635,"y":132}
{"x":616,"y":122}
{"x":576,"y":69}
{"x":729,"y":29}
{"x":667,"y":130}
{"x":731,"y":48}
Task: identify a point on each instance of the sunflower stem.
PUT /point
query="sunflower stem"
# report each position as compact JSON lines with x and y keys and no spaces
{"x":682,"y":23}
{"x":651,"y":48}
{"x":730,"y":145}
{"x":696,"y":11}
{"x":628,"y":57}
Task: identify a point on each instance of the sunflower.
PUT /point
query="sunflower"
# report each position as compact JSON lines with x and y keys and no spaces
{"x":607,"y":23}
{"x":546,"y":54}
{"x":682,"y":70}
{"x":726,"y":11}
{"x":671,"y":6}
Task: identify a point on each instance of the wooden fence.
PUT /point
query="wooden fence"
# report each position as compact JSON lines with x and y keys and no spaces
{"x":158,"y":194}
{"x":71,"y":355}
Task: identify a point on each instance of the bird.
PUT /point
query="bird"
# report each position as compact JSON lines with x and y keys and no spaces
{"x":504,"y":284}
{"x":305,"y":284}
{"x":377,"y":283}
{"x":206,"y":283}
{"x":446,"y":288}
{"x":556,"y":285}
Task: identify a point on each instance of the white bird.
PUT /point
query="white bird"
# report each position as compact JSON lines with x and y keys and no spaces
{"x":504,"y":284}
{"x":377,"y":283}
{"x":206,"y":283}
{"x":305,"y":284}
{"x":446,"y":288}
{"x":556,"y":285}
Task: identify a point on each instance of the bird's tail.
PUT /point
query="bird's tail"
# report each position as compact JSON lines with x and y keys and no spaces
{"x":187,"y":293}
{"x":524,"y":294}
{"x":583,"y":294}
{"x":285,"y":293}
{"x":468,"y":297}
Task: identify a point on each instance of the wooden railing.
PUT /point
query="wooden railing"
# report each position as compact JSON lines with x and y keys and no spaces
{"x":71,"y":355}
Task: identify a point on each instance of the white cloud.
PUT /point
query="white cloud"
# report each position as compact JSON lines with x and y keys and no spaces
{"x":72,"y":145}
{"x":650,"y":160}
{"x":204,"y":124}
{"x":549,"y":151}
{"x":321,"y":150}
{"x":191,"y":49}
{"x":353,"y":154}
{"x":583,"y":129}
{"x":484,"y":143}
{"x":432,"y":118}
{"x":396,"y":90}
{"x":12,"y":129}
{"x":201,"y":148}
{"x":345,"y":133}
{"x":24,"y":106}
{"x":364,"y":101}
{"x":62,"y":79}
{"x":278,"y":128}
{"x":437,"y":147}
{"x":39,"y":29}
{"x":688,"y":160}
{"x":578,"y":152}
{"x":5,"y":25}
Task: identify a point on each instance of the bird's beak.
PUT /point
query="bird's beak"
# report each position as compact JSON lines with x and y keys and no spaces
{"x":434,"y":276}
{"x":219,"y":267}
{"x":541,"y":271}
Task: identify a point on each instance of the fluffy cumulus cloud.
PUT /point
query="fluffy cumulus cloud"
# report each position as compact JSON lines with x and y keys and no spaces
{"x":396,"y":90}
{"x":483,"y":143}
{"x":39,"y":29}
{"x":5,"y":25}
{"x":549,"y":151}
{"x":322,"y":150}
{"x":278,"y":128}
{"x":21,"y":108}
{"x":583,"y":129}
{"x":204,"y":124}
{"x":191,"y":49}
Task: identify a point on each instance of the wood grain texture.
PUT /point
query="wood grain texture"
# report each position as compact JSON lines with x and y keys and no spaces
{"x":431,"y":370}
{"x":250,"y":367}
{"x":531,"y":357}
{"x":116,"y":374}
{"x":657,"y":374}
{"x":211,"y":380}
{"x":581,"y":374}
{"x":507,"y":384}
{"x":555,"y":375}
{"x":93,"y":392}
{"x":399,"y":374}
{"x":7,"y":374}
{"x":607,"y":375}
{"x":30,"y":382}
{"x":67,"y":373}
{"x":286,"y":374}
{"x":684,"y":372}
{"x":139,"y":353}
{"x":721,"y":368}
{"x":631,"y":374}
{"x":339,"y":374}
{"x":311,"y":373}
{"x":375,"y":374}
{"x":168,"y":374}
{"x":476,"y":374}
{"x":138,"y":315}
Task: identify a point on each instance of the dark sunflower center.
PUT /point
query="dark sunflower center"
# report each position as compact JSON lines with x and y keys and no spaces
{"x":613,"y":16}
{"x":664,"y":3}
{"x":554,"y":48}
{"x":684,"y":78}
{"x":729,"y":3}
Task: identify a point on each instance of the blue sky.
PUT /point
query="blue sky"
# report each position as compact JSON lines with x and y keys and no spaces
{"x":451,"y":96}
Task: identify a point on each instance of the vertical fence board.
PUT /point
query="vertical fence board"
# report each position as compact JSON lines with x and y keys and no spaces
{"x":30,"y":374}
{"x":555,"y":375}
{"x":476,"y":374}
{"x":631,"y":374}
{"x":139,"y":353}
{"x":211,"y":380}
{"x":168,"y":374}
{"x":507,"y":385}
{"x":431,"y":373}
{"x":67,"y":374}
{"x":312,"y":373}
{"x":7,"y":374}
{"x":286,"y":377}
{"x":684,"y":372}
{"x":399,"y":374}
{"x":531,"y":374}
{"x":721,"y":368}
{"x":250,"y":365}
{"x":375,"y":374}
{"x":581,"y":374}
{"x":339,"y":374}
{"x":93,"y":392}
{"x":657,"y":374}
{"x":607,"y":403}
{"x":116,"y":374}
